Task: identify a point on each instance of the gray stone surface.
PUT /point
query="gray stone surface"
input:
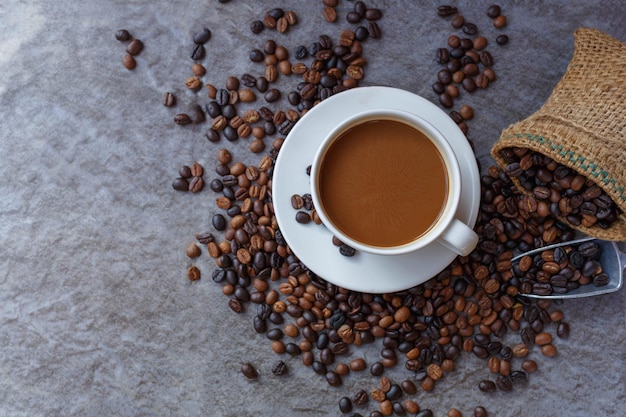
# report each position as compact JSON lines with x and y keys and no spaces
{"x":97,"y":317}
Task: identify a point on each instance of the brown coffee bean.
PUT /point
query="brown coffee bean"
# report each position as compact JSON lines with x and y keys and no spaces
{"x":134,"y":47}
{"x":129,"y":62}
{"x":249,"y":371}
{"x":192,"y":250}
{"x":548,"y":350}
{"x":198,"y":69}
{"x":486,"y":58}
{"x":272,"y":95}
{"x":466,"y":112}
{"x":193,"y":273}
{"x":529,"y":365}
{"x":193,"y":83}
{"x":182,"y":119}
{"x":453,"y":412}
{"x":499,"y":22}
{"x":358,"y":364}
{"x":457,"y":21}
{"x":168,"y":99}
{"x":480,"y":43}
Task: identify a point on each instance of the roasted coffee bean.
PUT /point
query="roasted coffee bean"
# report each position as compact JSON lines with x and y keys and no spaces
{"x":249,"y":371}
{"x":353,"y":17}
{"x":360,"y":397}
{"x":493,"y":11}
{"x":394,"y":393}
{"x":212,"y":135}
{"x":480,"y":411}
{"x":198,"y":52}
{"x":373,"y":14}
{"x":257,"y":26}
{"x":470,"y":28}
{"x":504,"y":383}
{"x":168,"y":99}
{"x":457,"y":21}
{"x":443,"y":56}
{"x":122,"y":35}
{"x":377,"y":369}
{"x":562,"y":330}
{"x":272,"y":95}
{"x":202,"y":36}
{"x":346,"y":250}
{"x":129,"y":62}
{"x":134,"y":47}
{"x":399,"y":409}
{"x":256,"y":55}
{"x":182,"y":119}
{"x":445,"y":11}
{"x":499,"y":22}
{"x":345,"y":405}
{"x":519,"y":377}
{"x":279,"y":368}
{"x":333,"y":379}
{"x":486,"y":58}
{"x":445,"y":100}
{"x":487,"y":386}
{"x":502,"y":39}
{"x":469,"y":84}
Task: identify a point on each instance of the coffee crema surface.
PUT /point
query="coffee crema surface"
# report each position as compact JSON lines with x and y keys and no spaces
{"x":383,"y":183}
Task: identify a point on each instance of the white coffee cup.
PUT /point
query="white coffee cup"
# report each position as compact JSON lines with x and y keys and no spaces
{"x":446,"y":229}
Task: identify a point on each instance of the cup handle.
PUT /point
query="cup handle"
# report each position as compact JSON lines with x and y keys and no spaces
{"x":459,"y":238}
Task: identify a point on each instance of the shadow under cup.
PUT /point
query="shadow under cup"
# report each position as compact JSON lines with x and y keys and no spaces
{"x":387,"y":182}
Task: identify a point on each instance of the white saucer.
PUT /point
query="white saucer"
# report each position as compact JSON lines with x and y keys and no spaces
{"x":312,"y":244}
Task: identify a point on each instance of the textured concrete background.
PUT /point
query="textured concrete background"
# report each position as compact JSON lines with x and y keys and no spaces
{"x":97,"y":317}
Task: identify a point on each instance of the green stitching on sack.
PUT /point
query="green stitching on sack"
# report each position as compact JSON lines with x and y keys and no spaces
{"x":591,"y":168}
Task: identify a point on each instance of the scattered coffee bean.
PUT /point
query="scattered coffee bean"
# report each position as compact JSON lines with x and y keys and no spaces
{"x":257,"y":26}
{"x":198,"y":52}
{"x":345,"y":405}
{"x":493,"y":11}
{"x":122,"y":35}
{"x":279,"y":368}
{"x":180,"y":184}
{"x":168,"y":99}
{"x":129,"y":62}
{"x":446,"y":11}
{"x":249,"y":371}
{"x":499,"y":22}
{"x":134,"y":47}
{"x":480,"y":411}
{"x":182,"y":119}
{"x":193,"y":273}
{"x":202,"y":36}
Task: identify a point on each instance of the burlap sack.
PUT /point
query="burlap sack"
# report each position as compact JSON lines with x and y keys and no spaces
{"x":582,"y":125}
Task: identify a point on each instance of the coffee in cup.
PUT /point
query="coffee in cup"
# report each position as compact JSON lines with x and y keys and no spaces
{"x":387,"y":182}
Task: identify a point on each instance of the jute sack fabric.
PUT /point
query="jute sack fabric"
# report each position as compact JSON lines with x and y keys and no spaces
{"x":582,"y":125}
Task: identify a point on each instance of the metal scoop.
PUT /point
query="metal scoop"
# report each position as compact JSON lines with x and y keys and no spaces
{"x":613,"y":262}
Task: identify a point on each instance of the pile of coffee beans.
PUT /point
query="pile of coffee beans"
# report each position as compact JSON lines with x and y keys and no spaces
{"x":275,"y":19}
{"x":467,"y":63}
{"x":468,"y":308}
{"x":190,"y":178}
{"x":134,"y":47}
{"x":557,"y":190}
{"x":559,"y":270}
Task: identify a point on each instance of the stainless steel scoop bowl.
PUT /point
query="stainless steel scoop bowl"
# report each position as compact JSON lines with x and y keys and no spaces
{"x":613,"y":261}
